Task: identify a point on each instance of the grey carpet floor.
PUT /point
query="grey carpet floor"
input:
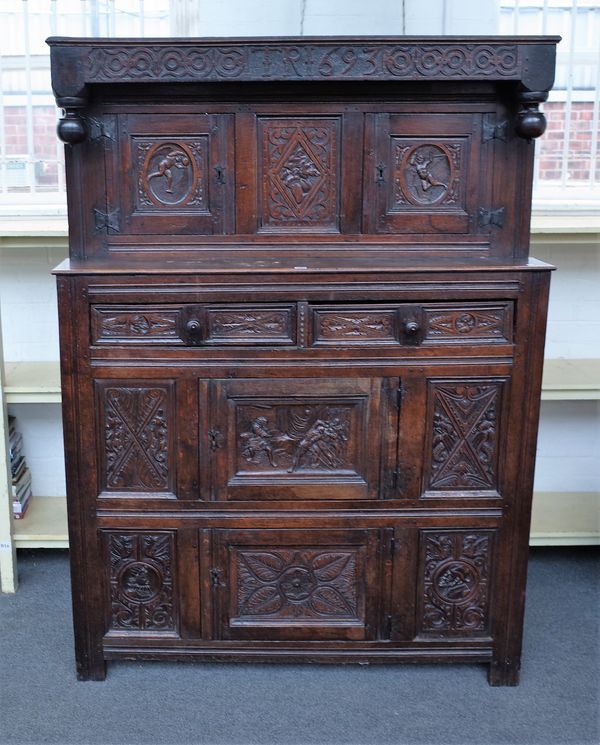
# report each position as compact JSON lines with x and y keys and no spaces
{"x":180,"y":703}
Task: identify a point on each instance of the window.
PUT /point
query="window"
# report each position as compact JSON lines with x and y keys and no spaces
{"x":31,"y":157}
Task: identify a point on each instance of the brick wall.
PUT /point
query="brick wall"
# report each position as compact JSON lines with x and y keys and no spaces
{"x":579,"y":160}
{"x":44,"y":141}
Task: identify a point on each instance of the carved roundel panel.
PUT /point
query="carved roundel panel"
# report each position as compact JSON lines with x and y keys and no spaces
{"x":455,"y":581}
{"x":172,"y":174}
{"x":426,"y":174}
{"x":140,"y":582}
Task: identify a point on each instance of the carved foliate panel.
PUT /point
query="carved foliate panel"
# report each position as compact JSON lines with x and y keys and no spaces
{"x":296,"y":584}
{"x":136,"y":438}
{"x":469,"y":323}
{"x":171,"y":173}
{"x":355,"y":326}
{"x":250,"y":325}
{"x":301,"y":584}
{"x":455,"y":578}
{"x":427,"y":174}
{"x":141,"y":581}
{"x":130,"y":325}
{"x":299,"y":172}
{"x":463,"y":441}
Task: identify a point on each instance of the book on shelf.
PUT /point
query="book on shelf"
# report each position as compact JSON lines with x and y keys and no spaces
{"x":21,"y":475}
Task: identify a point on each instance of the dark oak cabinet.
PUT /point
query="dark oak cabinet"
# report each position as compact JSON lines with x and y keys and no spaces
{"x":301,"y":344}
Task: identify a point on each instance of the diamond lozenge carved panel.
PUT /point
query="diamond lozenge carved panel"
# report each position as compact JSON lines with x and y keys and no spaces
{"x":299,"y":173}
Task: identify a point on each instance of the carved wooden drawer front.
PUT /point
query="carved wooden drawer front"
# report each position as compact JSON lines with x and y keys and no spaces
{"x":171,"y":175}
{"x":411,"y":324}
{"x":296,"y":584}
{"x":300,"y":439}
{"x":141,"y":568}
{"x":194,"y":325}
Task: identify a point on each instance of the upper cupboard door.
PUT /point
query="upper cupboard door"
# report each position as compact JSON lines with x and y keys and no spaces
{"x":431,"y":174}
{"x":171,"y":175}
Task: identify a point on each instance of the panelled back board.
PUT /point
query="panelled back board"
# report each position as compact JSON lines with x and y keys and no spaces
{"x":301,"y":343}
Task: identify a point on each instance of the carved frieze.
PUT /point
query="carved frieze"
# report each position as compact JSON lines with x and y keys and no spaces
{"x":464,"y":443}
{"x":456,"y":576}
{"x":171,"y":174}
{"x":299,"y":165}
{"x":249,"y":324}
{"x":306,"y":61}
{"x":141,"y":581}
{"x":297,"y":584}
{"x":136,"y":438}
{"x":360,"y":326}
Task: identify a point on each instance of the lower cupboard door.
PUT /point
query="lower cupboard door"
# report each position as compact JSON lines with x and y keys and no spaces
{"x":316,"y":584}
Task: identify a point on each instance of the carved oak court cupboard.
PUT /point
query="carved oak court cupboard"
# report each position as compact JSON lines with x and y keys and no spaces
{"x":301,"y":343}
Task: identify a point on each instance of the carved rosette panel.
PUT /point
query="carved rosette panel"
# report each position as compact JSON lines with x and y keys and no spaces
{"x":141,"y":581}
{"x":299,"y":173}
{"x":248,"y":325}
{"x":427,"y":174}
{"x":467,"y":323}
{"x":142,"y":325}
{"x":464,"y":441}
{"x":355,"y":326}
{"x":294,"y":438}
{"x":301,"y":584}
{"x":455,"y":582}
{"x":171,"y":174}
{"x":136,"y":438}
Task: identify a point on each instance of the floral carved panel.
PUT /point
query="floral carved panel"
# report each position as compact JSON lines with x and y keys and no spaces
{"x":487,"y":323}
{"x":298,"y":584}
{"x":299,"y":173}
{"x":134,"y":325}
{"x":141,"y":581}
{"x":464,"y":435}
{"x":455,"y":582}
{"x":136,"y":437}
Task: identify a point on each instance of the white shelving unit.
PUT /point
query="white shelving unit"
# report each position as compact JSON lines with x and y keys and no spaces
{"x":559,"y":518}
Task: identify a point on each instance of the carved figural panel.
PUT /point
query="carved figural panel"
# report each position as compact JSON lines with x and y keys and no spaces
{"x":299,"y":173}
{"x":136,"y":437}
{"x":463,"y":444}
{"x":297,"y":584}
{"x":172,"y":174}
{"x":455,"y":578}
{"x":141,"y":581}
{"x":296,"y":438}
{"x":427,"y":174}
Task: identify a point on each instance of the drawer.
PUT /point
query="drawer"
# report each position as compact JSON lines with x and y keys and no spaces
{"x":194,"y":324}
{"x":411,"y":324}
